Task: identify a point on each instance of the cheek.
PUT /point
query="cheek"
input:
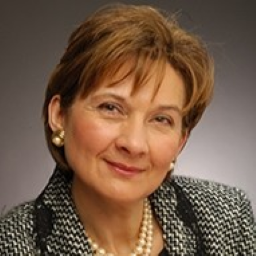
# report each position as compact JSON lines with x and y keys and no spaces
{"x":163,"y":152}
{"x":89,"y":137}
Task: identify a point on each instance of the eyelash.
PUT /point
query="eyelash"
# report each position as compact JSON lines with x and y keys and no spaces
{"x":110,"y":108}
{"x":165,"y":120}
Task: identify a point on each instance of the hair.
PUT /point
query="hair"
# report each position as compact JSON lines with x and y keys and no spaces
{"x":103,"y":43}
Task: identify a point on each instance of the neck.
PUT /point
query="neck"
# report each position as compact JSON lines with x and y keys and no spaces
{"x":114,"y":226}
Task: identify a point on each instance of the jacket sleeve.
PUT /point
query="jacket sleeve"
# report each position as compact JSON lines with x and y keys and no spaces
{"x":16,"y":232}
{"x":247,"y":239}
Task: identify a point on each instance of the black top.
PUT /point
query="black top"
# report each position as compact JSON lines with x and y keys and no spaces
{"x":163,"y":252}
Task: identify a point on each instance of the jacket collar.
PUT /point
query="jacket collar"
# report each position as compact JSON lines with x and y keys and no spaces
{"x":176,"y":217}
{"x":64,"y":233}
{"x":58,"y":229}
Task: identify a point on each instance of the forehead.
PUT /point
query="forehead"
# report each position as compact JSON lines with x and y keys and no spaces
{"x":164,"y":86}
{"x":140,"y":68}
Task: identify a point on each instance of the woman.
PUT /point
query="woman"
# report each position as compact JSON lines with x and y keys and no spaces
{"x":118,"y":110}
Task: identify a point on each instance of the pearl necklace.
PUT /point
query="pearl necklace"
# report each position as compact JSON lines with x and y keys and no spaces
{"x":145,"y":240}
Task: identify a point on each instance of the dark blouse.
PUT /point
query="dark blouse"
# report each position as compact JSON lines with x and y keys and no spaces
{"x":163,"y":252}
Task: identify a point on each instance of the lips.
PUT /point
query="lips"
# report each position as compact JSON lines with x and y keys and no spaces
{"x":124,"y":169}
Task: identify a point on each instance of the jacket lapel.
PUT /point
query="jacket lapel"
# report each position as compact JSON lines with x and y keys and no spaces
{"x":179,"y":238}
{"x":57,"y":229}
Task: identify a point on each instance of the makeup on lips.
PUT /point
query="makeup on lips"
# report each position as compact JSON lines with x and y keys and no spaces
{"x":123,"y":169}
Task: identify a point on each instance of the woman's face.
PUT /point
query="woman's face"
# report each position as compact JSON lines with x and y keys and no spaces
{"x":119,"y":145}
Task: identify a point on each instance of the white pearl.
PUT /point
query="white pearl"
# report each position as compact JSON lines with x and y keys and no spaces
{"x":101,"y":251}
{"x":144,"y":223}
{"x":142,"y":242}
{"x":150,"y":239}
{"x":143,"y":235}
{"x":95,"y":246}
{"x":149,"y":244}
{"x":138,"y":249}
{"x":150,"y":233}
{"x":145,"y":239}
{"x":147,"y":250}
{"x":144,"y":229}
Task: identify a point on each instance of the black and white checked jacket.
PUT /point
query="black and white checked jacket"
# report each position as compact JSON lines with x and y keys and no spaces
{"x":197,"y":218}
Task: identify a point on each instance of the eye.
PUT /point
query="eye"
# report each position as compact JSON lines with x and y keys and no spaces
{"x":163,"y":120}
{"x":110,"y":108}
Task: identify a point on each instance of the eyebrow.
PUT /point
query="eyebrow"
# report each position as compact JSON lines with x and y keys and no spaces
{"x":111,"y":95}
{"x":170,"y":108}
{"x":122,"y":99}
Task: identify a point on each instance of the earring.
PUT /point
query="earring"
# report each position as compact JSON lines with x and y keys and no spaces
{"x":172,"y":165}
{"x":58,"y":138}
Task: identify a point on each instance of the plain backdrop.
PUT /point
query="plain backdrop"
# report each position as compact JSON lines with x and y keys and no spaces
{"x":33,"y":36}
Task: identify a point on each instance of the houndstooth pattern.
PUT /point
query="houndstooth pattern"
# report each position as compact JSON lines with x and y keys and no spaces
{"x":197,"y":218}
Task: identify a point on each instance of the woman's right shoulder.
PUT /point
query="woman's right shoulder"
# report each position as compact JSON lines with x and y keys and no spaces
{"x":16,"y":230}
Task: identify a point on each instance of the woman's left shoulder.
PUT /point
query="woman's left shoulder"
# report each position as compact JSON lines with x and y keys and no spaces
{"x":212,"y":194}
{"x":217,"y":205}
{"x":224,"y":213}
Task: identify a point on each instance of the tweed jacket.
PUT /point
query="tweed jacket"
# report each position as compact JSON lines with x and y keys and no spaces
{"x":197,"y":218}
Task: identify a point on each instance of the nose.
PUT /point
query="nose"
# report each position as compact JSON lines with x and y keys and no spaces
{"x":132,"y":139}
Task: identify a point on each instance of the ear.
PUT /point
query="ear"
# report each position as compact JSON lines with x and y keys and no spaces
{"x":183,"y":141}
{"x":55,"y":114}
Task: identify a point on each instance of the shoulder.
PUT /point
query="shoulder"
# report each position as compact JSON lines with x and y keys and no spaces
{"x":212,"y":195}
{"x":16,"y":229}
{"x":199,"y":189}
{"x":224,"y":213}
{"x":212,"y":200}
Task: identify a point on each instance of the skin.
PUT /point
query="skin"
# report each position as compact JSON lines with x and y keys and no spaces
{"x":120,"y":147}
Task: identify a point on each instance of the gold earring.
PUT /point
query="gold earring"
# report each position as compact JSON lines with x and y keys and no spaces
{"x":58,"y":138}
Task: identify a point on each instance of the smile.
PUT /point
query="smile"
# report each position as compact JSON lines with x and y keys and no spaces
{"x":124,"y":169}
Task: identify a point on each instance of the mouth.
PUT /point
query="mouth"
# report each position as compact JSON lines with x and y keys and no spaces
{"x":124,"y":169}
